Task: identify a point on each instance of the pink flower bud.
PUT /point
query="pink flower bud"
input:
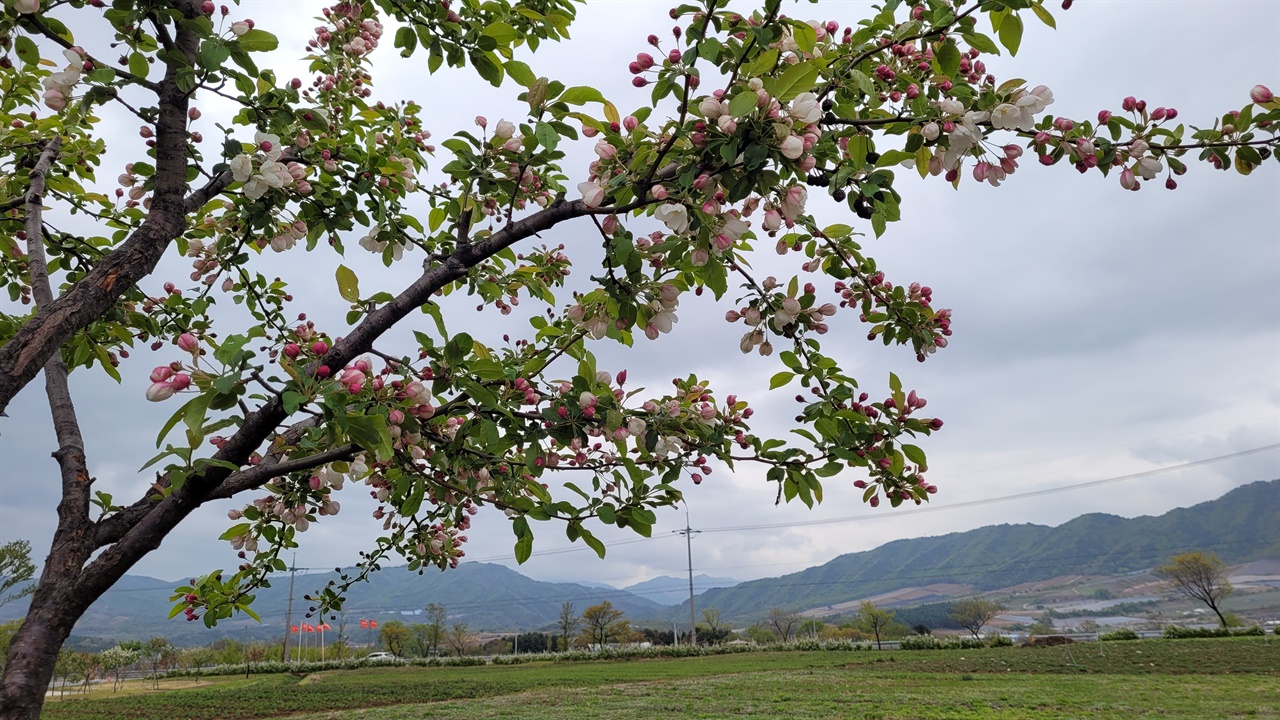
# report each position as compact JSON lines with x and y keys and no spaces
{"x":319,"y":347}
{"x":1260,"y":94}
{"x":1128,"y":181}
{"x":658,"y":192}
{"x":161,"y":374}
{"x":1129,"y":104}
{"x":188,"y":342}
{"x":630,"y":123}
{"x":1104,"y":116}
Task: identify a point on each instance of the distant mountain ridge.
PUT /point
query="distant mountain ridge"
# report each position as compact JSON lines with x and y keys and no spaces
{"x":1240,"y":526}
{"x":481,"y":595}
{"x":669,"y":590}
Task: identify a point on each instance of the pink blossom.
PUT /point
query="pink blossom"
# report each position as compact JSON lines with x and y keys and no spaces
{"x":792,"y":147}
{"x":1261,"y":94}
{"x":605,"y":150}
{"x":159,"y":391}
{"x":592,"y":194}
{"x":188,"y":342}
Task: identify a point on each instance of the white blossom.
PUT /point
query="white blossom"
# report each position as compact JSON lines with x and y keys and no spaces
{"x":806,"y":109}
{"x":675,"y":216}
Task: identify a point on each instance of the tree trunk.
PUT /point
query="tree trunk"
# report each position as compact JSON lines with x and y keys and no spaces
{"x":1222,"y":621}
{"x":34,"y":650}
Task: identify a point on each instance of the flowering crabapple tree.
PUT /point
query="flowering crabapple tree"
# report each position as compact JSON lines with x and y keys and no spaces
{"x":749,"y":113}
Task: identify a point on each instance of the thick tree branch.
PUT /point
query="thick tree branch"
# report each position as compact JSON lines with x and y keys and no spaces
{"x":73,"y":510}
{"x":258,"y":475}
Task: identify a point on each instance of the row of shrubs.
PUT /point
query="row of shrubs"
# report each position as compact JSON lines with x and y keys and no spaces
{"x":911,"y":642}
{"x":1174,"y":632}
{"x":929,"y":642}
{"x":268,"y":668}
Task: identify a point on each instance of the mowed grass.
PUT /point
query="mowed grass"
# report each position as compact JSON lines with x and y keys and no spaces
{"x":1192,"y":679}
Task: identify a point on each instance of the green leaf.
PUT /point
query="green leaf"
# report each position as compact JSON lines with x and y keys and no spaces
{"x":138,"y":64}
{"x":520,"y":72}
{"x":487,"y":66}
{"x":348,"y":284}
{"x":524,"y":539}
{"x":762,"y":64}
{"x":804,"y":36}
{"x":796,"y":79}
{"x":230,"y":349}
{"x":197,"y":409}
{"x":893,"y":157}
{"x":915,"y":455}
{"x":501,"y":32}
{"x":407,"y":40}
{"x":1011,"y":33}
{"x":780,"y":379}
{"x":829,"y":470}
{"x":1044,"y":16}
{"x":547,"y":135}
{"x":370,"y":433}
{"x":948,"y":56}
{"x":742,"y":104}
{"x":235,"y":531}
{"x":981,"y":42}
{"x":411,"y":504}
{"x":258,"y":40}
{"x":27,"y":50}
{"x":581,"y":95}
{"x":591,"y":541}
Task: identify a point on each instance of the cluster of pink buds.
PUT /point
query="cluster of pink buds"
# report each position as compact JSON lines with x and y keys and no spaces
{"x":167,"y":380}
{"x":355,"y":375}
{"x":531,"y":396}
{"x":192,"y":601}
{"x":288,"y":236}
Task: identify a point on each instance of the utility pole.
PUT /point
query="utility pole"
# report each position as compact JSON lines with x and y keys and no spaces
{"x":688,"y":534}
{"x":288,"y":613}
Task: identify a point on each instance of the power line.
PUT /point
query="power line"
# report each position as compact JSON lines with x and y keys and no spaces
{"x":1003,"y":498}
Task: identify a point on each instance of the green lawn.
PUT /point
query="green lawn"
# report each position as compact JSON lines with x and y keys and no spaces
{"x":1191,"y":679}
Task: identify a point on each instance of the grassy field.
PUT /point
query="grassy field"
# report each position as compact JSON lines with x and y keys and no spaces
{"x":1191,"y":679}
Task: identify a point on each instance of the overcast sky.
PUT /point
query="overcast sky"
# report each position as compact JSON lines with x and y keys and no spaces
{"x":1098,"y":332}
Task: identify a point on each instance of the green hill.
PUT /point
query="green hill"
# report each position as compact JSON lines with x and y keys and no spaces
{"x":1240,"y":526}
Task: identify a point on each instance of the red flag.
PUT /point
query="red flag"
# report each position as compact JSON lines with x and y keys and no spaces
{"x":311,"y":628}
{"x":364,"y":623}
{"x":373,"y":624}
{"x":294,"y":628}
{"x":325,"y":627}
